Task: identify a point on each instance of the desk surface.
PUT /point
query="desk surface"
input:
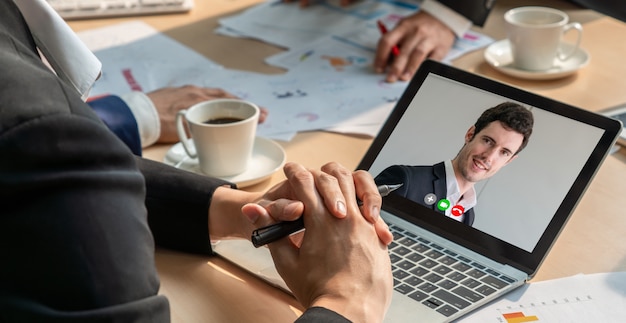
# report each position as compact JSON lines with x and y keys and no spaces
{"x":202,"y":289}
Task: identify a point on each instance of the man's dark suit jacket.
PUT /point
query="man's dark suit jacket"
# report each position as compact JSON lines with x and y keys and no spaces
{"x":478,"y":10}
{"x":475,"y":10}
{"x":419,"y":181}
{"x":76,"y":241}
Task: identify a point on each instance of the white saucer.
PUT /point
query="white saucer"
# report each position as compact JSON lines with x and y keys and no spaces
{"x":267,"y":158}
{"x":498,"y":55}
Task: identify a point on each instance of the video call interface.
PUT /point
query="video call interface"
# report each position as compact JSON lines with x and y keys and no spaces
{"x":515,"y":204}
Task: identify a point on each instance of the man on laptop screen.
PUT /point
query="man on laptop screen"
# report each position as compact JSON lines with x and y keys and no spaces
{"x":495,"y":140}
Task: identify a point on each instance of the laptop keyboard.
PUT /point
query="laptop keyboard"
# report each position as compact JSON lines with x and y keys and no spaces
{"x":437,"y":277}
{"x":78,"y":9}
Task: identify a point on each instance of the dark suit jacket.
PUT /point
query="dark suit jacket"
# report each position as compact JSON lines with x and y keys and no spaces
{"x":76,"y":241}
{"x":613,"y":8}
{"x":475,"y":10}
{"x":420,"y":181}
{"x":478,"y":10}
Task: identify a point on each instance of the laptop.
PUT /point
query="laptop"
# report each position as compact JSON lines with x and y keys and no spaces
{"x":443,"y":267}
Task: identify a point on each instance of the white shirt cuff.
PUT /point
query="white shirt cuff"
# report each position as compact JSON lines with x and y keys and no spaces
{"x":455,"y":21}
{"x":146,"y":116}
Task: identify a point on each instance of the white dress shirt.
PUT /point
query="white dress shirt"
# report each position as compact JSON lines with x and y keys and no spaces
{"x":455,"y":21}
{"x":467,"y":200}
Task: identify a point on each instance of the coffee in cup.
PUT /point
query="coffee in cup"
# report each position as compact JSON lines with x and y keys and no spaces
{"x":222,"y":120}
{"x":223,"y":133}
{"x":535,"y":34}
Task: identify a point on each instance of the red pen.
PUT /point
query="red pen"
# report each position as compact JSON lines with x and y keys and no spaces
{"x":395,"y":51}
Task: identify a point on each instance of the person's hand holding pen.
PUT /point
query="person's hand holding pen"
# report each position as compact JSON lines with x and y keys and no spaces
{"x":281,"y":203}
{"x":341,"y":264}
{"x":271,"y":233}
{"x":395,"y":51}
{"x":418,"y":37}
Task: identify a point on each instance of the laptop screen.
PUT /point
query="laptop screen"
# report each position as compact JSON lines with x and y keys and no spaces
{"x":473,"y":186}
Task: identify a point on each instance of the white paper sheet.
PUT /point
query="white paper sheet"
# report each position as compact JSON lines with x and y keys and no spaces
{"x":288,"y":25}
{"x":580,"y":298}
{"x":136,"y":57}
{"x":330,"y":83}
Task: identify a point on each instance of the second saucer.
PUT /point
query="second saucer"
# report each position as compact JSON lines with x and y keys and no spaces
{"x":499,"y":56}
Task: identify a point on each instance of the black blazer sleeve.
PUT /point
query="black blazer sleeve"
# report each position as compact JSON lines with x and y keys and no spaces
{"x":613,"y":8}
{"x":178,"y":206}
{"x":320,"y":314}
{"x":475,"y":10}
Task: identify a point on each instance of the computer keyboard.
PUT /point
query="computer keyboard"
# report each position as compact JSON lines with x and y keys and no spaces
{"x":437,"y":277}
{"x":83,"y":9}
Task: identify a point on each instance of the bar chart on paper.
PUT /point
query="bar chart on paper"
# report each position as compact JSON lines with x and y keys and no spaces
{"x":518,"y":317}
{"x":567,"y":309}
{"x":581,"y":298}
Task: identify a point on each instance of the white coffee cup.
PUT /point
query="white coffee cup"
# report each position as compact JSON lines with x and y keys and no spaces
{"x":223,"y":133}
{"x":535,"y":35}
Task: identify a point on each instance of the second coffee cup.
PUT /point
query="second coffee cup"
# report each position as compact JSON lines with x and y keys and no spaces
{"x":535,"y":35}
{"x":223,"y":133}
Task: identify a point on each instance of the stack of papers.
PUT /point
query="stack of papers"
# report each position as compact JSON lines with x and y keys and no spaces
{"x":330,"y":83}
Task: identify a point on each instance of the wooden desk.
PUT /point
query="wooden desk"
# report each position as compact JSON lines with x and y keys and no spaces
{"x":210,"y":289}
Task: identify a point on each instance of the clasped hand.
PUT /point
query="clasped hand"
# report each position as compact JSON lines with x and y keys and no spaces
{"x":350,"y":241}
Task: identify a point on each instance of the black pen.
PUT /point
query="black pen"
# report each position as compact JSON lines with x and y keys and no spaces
{"x":271,"y":233}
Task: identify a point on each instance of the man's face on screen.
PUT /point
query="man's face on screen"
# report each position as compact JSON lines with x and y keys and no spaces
{"x":484,"y":153}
